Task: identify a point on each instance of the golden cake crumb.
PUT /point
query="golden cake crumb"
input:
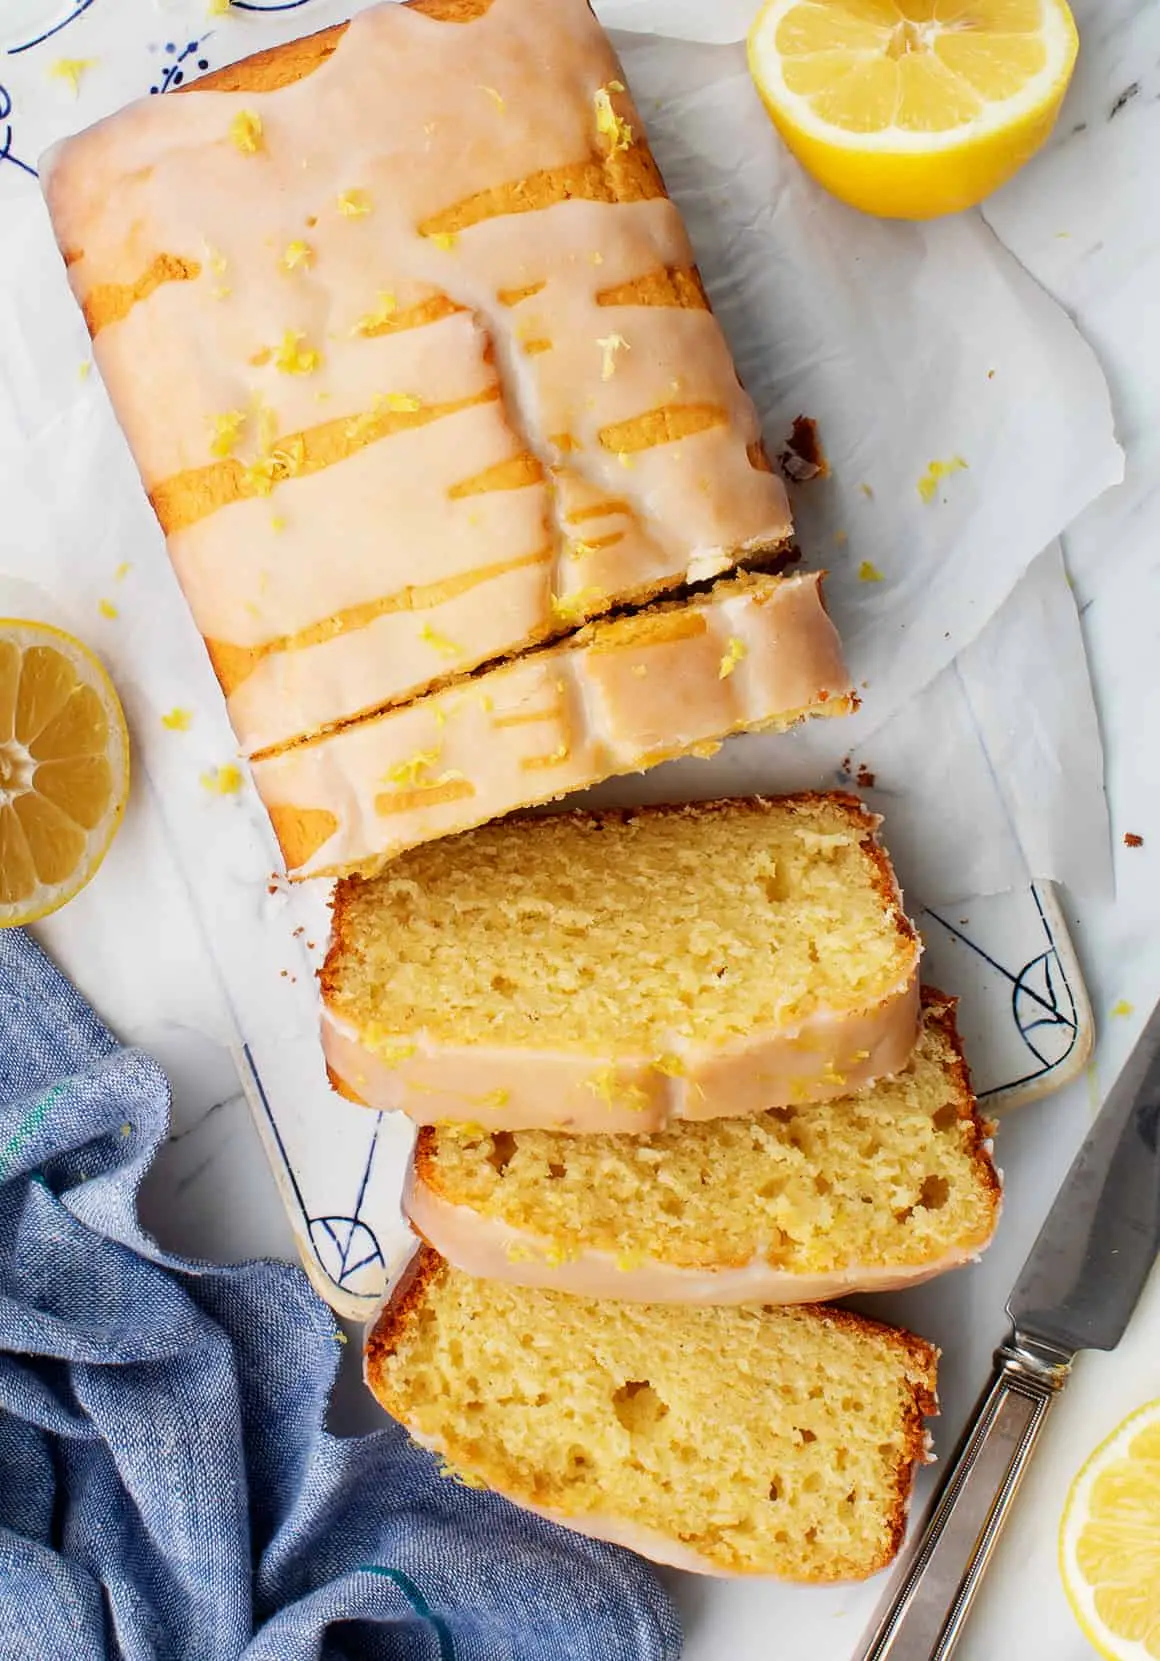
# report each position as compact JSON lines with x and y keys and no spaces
{"x":734,"y":653}
{"x":937,"y":471}
{"x":178,"y":719}
{"x":246,"y":132}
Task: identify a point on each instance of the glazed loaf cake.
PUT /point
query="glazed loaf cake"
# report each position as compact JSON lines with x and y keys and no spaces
{"x":865,"y":1193}
{"x":619,"y":971}
{"x":410,"y":348}
{"x":723,"y":1441}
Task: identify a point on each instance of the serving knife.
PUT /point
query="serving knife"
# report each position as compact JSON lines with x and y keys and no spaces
{"x":1077,"y":1292}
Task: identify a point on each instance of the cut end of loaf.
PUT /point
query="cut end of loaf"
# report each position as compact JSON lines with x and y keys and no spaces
{"x":776,"y":1442}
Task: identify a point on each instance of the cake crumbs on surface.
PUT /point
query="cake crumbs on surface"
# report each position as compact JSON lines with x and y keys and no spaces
{"x":71,"y":70}
{"x":803,"y":458}
{"x":292,"y":358}
{"x":108,"y":609}
{"x":354,"y":204}
{"x":223,"y":781}
{"x":340,"y":1337}
{"x":177,"y":719}
{"x":439,"y":642}
{"x":1123,"y":1007}
{"x":297,"y":256}
{"x":609,"y":346}
{"x":246,"y":132}
{"x":936,"y":471}
{"x":1131,"y":840}
{"x":735,"y":651}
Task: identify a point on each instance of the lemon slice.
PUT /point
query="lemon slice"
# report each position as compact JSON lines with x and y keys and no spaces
{"x":913,"y":108}
{"x":64,"y":769}
{"x":1109,"y":1541}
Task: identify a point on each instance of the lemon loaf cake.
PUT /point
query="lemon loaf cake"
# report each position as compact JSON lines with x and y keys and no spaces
{"x":755,"y":652}
{"x":863,"y":1194}
{"x":617,"y":971}
{"x":724,"y":1441}
{"x":410,"y":348}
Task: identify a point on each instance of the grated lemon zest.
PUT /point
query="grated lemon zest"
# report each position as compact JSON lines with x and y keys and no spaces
{"x":408,"y":773}
{"x":570,"y":608}
{"x":936,"y":471}
{"x":223,"y":781}
{"x":444,"y":239}
{"x":439,"y":642}
{"x":869,"y":573}
{"x":71,"y":70}
{"x":84,"y":369}
{"x":292,"y":358}
{"x":734,"y":652}
{"x":297,"y":256}
{"x":226,"y":430}
{"x":355,"y":204}
{"x":109,"y":610}
{"x":387,"y":307}
{"x":246,"y":132}
{"x":122,"y":571}
{"x":1123,"y":1008}
{"x":178,"y":720}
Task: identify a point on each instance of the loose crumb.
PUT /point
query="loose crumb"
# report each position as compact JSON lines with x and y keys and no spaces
{"x":122,"y":571}
{"x":734,"y":653}
{"x":1123,"y":1008}
{"x":936,"y":471}
{"x":1131,"y":840}
{"x":246,"y":132}
{"x":869,"y":573}
{"x":178,"y":719}
{"x":803,"y":458}
{"x":109,"y":610}
{"x":864,"y":778}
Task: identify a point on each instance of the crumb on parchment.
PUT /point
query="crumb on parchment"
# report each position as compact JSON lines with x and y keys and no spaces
{"x":1131,"y":840}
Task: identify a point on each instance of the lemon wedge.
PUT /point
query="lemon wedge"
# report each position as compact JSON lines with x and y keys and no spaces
{"x":913,"y":108}
{"x":64,"y":769}
{"x":1109,"y":1541}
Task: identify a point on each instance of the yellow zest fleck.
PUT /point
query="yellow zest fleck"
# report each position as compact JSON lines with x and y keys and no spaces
{"x":625,"y":459}
{"x":616,"y":1092}
{"x":227,"y":430}
{"x":734,"y":652}
{"x":122,"y":571}
{"x":277,"y":523}
{"x":402,"y":402}
{"x":267,"y":425}
{"x":292,"y":358}
{"x":1123,"y":1008}
{"x":84,"y":369}
{"x":494,"y":1099}
{"x":178,"y":720}
{"x":109,"y":610}
{"x":867,"y":491}
{"x":670,"y":1065}
{"x":221,"y":292}
{"x":394,"y":1050}
{"x":439,"y":642}
{"x":515,"y":1253}
{"x":570,"y":608}
{"x":597,"y":257}
{"x":486,"y":702}
{"x":71,"y":70}
{"x":937,"y":470}
{"x":262,"y":475}
{"x":869,"y":573}
{"x":408,"y":773}
{"x":497,"y":98}
{"x":382,"y":314}
{"x":298,"y":256}
{"x":355,"y":204}
{"x":223,"y":781}
{"x":609,"y":346}
{"x":581,"y":550}
{"x":444,"y":239}
{"x":616,"y":130}
{"x":218,"y":8}
{"x":246,"y":132}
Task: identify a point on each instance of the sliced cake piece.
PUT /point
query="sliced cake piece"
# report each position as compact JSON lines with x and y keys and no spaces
{"x":866,"y":1193}
{"x":723,"y":1441}
{"x":617,"y":971}
{"x":756,"y":652}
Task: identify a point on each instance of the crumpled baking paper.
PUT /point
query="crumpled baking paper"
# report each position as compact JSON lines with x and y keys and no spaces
{"x":965,"y":420}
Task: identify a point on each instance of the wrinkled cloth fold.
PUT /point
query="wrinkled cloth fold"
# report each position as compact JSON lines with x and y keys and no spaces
{"x":168,"y":1491}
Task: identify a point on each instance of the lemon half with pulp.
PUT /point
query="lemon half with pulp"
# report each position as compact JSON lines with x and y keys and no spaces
{"x":913,"y":108}
{"x":64,"y":768}
{"x":1109,"y":1541}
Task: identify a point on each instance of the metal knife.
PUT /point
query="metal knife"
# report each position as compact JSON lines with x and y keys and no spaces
{"x":1077,"y":1292}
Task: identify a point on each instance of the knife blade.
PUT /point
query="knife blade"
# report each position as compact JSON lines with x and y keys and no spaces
{"x":1087,"y":1268}
{"x":1077,"y":1290}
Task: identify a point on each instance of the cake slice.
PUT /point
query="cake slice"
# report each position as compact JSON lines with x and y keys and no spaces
{"x":409,"y":345}
{"x":755,"y":652}
{"x":866,"y":1193}
{"x":724,"y":1441}
{"x":621,"y":970}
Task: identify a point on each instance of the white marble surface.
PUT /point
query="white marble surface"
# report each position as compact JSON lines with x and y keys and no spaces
{"x":1084,"y":221}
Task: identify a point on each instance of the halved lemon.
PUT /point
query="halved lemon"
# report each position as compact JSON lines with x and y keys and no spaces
{"x":1109,"y":1541}
{"x":913,"y":108}
{"x":64,"y":768}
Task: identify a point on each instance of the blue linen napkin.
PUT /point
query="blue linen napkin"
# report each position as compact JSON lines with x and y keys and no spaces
{"x":167,"y":1489}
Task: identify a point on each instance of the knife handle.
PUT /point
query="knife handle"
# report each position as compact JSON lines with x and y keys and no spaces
{"x":930,"y":1594}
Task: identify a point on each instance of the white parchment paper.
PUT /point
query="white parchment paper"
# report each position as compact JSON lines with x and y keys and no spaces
{"x":910,"y":345}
